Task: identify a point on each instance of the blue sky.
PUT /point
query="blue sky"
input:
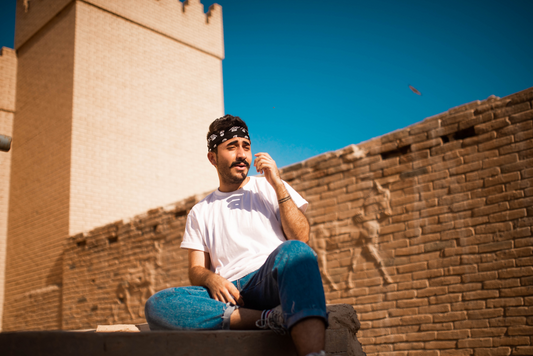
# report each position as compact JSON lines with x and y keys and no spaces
{"x":314,"y":76}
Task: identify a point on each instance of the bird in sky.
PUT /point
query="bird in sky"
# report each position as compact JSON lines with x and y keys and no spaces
{"x":414,"y":90}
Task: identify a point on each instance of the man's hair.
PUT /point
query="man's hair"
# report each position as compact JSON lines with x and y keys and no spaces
{"x":225,"y":122}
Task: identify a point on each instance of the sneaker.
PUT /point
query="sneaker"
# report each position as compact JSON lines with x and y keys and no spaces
{"x":272,"y":319}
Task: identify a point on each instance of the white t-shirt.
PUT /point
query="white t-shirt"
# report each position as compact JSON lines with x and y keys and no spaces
{"x":238,"y":229}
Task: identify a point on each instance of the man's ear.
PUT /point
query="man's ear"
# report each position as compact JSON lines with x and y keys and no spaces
{"x":212,"y":157}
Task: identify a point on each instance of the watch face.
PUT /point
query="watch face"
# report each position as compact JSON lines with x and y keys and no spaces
{"x":414,"y":90}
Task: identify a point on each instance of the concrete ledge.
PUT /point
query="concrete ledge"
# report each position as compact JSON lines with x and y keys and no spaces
{"x":162,"y":343}
{"x":341,"y":340}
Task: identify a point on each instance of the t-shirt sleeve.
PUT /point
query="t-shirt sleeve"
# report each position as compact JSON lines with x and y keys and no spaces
{"x":193,"y":237}
{"x":300,"y":202}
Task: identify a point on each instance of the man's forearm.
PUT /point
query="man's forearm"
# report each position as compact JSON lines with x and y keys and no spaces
{"x":199,"y":276}
{"x":293,"y":221}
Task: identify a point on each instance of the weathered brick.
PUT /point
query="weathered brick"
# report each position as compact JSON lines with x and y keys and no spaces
{"x":471,"y":324}
{"x":430,"y":229}
{"x":385,"y":164}
{"x":495,"y":143}
{"x":515,"y":272}
{"x":523,"y":350}
{"x":485,"y":314}
{"x":523,"y":116}
{"x":428,"y":292}
{"x":491,"y":125}
{"x":508,"y":215}
{"x":476,"y":140}
{"x":505,"y":302}
{"x":499,"y":351}
{"x":507,"y":321}
{"x":373,"y":315}
{"x":457,"y":162}
{"x":408,"y":303}
{"x":502,"y":179}
{"x":516,"y":147}
{"x":457,"y":118}
{"x":475,"y":342}
{"x":511,"y":341}
{"x":472,"y":305}
{"x":496,"y":265}
{"x":520,"y":330}
{"x":488,"y":332}
{"x":481,"y":294}
{"x":437,"y":263}
{"x":510,"y":110}
{"x":478,"y":119}
{"x":426,"y":144}
{"x":467,"y":205}
{"x":505,"y":197}
{"x":518,"y":291}
{"x":460,"y":250}
{"x":442,"y":131}
{"x":450,"y":316}
{"x":468,"y":186}
{"x":511,"y":166}
{"x":500,"y":161}
{"x":480,"y":276}
{"x":453,"y":334}
{"x":476,"y":240}
{"x":514,"y":129}
{"x":466,"y":168}
{"x":436,"y":327}
{"x":453,"y":270}
{"x":471,"y":222}
{"x":481,"y":156}
{"x":515,"y":253}
{"x":401,"y":295}
{"x":523,"y":135}
{"x":522,"y":184}
{"x":416,"y":319}
{"x":487,"y":192}
{"x":447,"y":298}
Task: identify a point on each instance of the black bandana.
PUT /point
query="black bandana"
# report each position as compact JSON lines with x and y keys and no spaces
{"x":217,"y":138}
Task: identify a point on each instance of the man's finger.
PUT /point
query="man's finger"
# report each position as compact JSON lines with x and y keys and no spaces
{"x":229,"y":298}
{"x":236,"y":295}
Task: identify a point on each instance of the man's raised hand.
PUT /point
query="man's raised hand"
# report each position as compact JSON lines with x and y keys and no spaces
{"x":264,"y":164}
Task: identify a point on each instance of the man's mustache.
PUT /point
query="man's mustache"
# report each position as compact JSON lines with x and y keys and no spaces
{"x":240,"y":162}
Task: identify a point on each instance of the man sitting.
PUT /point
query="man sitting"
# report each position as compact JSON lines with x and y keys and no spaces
{"x":249,"y":263}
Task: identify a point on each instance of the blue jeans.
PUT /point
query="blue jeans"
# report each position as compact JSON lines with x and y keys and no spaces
{"x":290,"y":277}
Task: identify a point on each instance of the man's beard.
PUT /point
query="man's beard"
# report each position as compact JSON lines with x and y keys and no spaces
{"x":238,"y":178}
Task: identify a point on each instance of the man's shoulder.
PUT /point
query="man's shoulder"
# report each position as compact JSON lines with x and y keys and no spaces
{"x":204,"y":202}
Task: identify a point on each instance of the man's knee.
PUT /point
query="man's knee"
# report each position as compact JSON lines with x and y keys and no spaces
{"x":297,"y":248}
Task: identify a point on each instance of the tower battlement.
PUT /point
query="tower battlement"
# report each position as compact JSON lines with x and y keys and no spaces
{"x":185,"y":22}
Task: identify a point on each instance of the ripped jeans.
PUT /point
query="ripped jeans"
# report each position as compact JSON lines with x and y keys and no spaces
{"x":290,"y":277}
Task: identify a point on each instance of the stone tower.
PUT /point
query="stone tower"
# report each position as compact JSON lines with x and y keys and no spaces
{"x":113,"y":101}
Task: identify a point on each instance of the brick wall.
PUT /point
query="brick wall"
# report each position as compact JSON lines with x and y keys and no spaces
{"x":39,"y":192}
{"x":111,"y":271}
{"x":8,"y":73}
{"x":142,"y":106}
{"x":103,"y":100}
{"x":426,"y":231}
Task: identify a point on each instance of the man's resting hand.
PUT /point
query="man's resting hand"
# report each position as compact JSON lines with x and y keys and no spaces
{"x":200,"y":275}
{"x":223,"y":290}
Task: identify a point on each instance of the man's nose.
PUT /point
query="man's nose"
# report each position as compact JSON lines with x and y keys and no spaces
{"x":241,"y":153}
